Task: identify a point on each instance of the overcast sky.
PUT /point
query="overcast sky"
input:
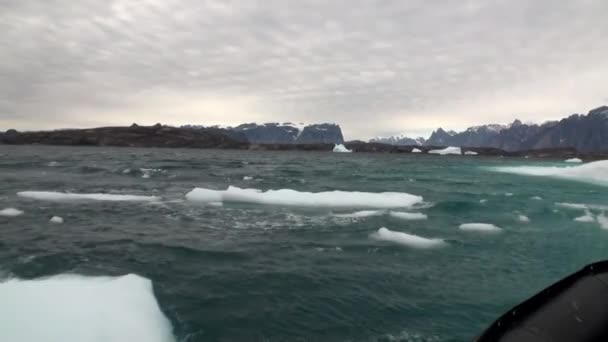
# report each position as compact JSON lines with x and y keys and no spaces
{"x":375,"y":67}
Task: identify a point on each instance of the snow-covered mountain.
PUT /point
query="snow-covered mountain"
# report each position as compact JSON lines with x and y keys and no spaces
{"x":400,"y":139}
{"x":285,"y":133}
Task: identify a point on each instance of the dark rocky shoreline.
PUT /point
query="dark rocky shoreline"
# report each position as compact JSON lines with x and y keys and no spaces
{"x":217,"y":138}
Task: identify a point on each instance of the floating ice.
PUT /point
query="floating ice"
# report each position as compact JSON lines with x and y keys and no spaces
{"x":56,"y":219}
{"x":470,"y":153}
{"x":410,"y":240}
{"x":482,"y":227}
{"x":288,"y":197}
{"x":447,"y":150}
{"x":573,"y":160}
{"x":536,"y":198}
{"x":602,"y":220}
{"x":341,"y":148}
{"x":247,"y":178}
{"x":416,"y":150}
{"x":84,"y":309}
{"x":587,"y":218}
{"x":408,"y":216}
{"x":523,"y":218}
{"x":582,"y":206}
{"x":10,"y":212}
{"x":61,"y":196}
{"x":594,"y":172}
{"x":362,"y":213}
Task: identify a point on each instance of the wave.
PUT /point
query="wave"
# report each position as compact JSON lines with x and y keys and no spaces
{"x":83,"y":309}
{"x":595,"y":172}
{"x":410,"y":240}
{"x":10,"y":212}
{"x":408,"y":216}
{"x":61,"y":196}
{"x":288,"y":197}
{"x":480,"y":227}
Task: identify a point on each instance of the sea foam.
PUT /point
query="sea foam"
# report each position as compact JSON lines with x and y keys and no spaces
{"x":447,"y":150}
{"x":10,"y":212}
{"x":61,"y":196}
{"x":84,"y":309}
{"x":288,"y":197}
{"x":594,"y":172}
{"x":410,"y":240}
{"x":480,"y":227}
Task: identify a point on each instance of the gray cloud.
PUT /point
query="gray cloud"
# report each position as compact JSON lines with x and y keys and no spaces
{"x":375,"y":66}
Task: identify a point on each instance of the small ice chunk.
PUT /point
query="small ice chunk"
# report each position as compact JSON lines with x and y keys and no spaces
{"x":53,"y":164}
{"x":523,"y":218}
{"x":408,"y":216}
{"x":416,"y":150}
{"x":508,"y":194}
{"x":587,"y":218}
{"x":573,"y":160}
{"x":536,"y":198}
{"x":56,"y":219}
{"x":341,"y":148}
{"x":602,"y":220}
{"x":480,"y":227}
{"x":410,"y":240}
{"x":483,"y":200}
{"x":10,"y":212}
{"x":470,"y":153}
{"x":447,"y":150}
{"x":247,"y":178}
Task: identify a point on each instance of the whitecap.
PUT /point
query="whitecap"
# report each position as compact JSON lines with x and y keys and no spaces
{"x":360,"y":214}
{"x":341,"y":148}
{"x":83,"y":309}
{"x":288,"y":197}
{"x":587,"y":218}
{"x":410,"y":240}
{"x":594,"y":172}
{"x":10,"y":212}
{"x":481,"y":227}
{"x":447,"y":150}
{"x":408,"y":216}
{"x":61,"y":196}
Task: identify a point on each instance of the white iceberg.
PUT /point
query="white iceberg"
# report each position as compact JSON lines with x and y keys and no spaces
{"x":10,"y":212}
{"x":410,"y":240}
{"x":480,"y":227}
{"x":341,"y":148}
{"x":288,"y":197}
{"x":573,"y":160}
{"x":594,"y":172}
{"x":416,"y":150}
{"x":83,"y":309}
{"x":447,"y":150}
{"x":61,"y":196}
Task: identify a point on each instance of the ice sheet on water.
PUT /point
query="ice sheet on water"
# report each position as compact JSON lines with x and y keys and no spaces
{"x":62,"y":196}
{"x":10,"y":212}
{"x":408,"y":216}
{"x":84,"y":309}
{"x":360,"y":214}
{"x":410,"y":240}
{"x":480,"y":227}
{"x":289,"y":197}
{"x":594,"y":172}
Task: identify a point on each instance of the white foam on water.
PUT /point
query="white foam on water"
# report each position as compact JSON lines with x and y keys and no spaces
{"x":61,"y":196}
{"x":410,"y":240}
{"x":70,"y":308}
{"x":56,"y":220}
{"x":523,"y":218}
{"x":53,"y":164}
{"x":536,"y":198}
{"x":470,"y":153}
{"x":447,"y":150}
{"x":341,"y":148}
{"x":288,"y":197}
{"x":10,"y":212}
{"x":360,"y":214}
{"x":480,"y":227}
{"x":602,"y":220}
{"x":408,"y":216}
{"x":587,"y":218}
{"x":573,"y":160}
{"x":247,"y":178}
{"x":416,"y":150}
{"x":594,"y":172}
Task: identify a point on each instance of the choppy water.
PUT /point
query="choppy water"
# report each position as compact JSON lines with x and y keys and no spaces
{"x":260,"y":272}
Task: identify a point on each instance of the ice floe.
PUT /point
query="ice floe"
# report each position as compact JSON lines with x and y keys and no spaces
{"x":56,"y":220}
{"x":288,"y":197}
{"x":523,"y":218}
{"x":410,"y":240}
{"x":10,"y":212}
{"x":61,"y":196}
{"x":481,"y":227}
{"x":408,"y":216}
{"x":447,"y":150}
{"x":594,"y":172}
{"x":83,"y":309}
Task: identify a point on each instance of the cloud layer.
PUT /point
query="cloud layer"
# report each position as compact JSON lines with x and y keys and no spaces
{"x":375,"y":67}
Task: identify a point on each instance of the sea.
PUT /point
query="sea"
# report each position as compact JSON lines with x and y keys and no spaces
{"x":168,"y":245}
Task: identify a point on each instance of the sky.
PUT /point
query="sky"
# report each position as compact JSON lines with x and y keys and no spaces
{"x":376,"y":67}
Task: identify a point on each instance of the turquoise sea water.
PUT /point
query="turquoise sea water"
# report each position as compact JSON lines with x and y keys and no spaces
{"x":258,"y":272}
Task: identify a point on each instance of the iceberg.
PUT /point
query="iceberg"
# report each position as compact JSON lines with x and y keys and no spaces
{"x":83,"y":309}
{"x":416,"y":150}
{"x":447,"y":150}
{"x":341,"y":148}
{"x":410,"y":240}
{"x":61,"y":196}
{"x":288,"y":197}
